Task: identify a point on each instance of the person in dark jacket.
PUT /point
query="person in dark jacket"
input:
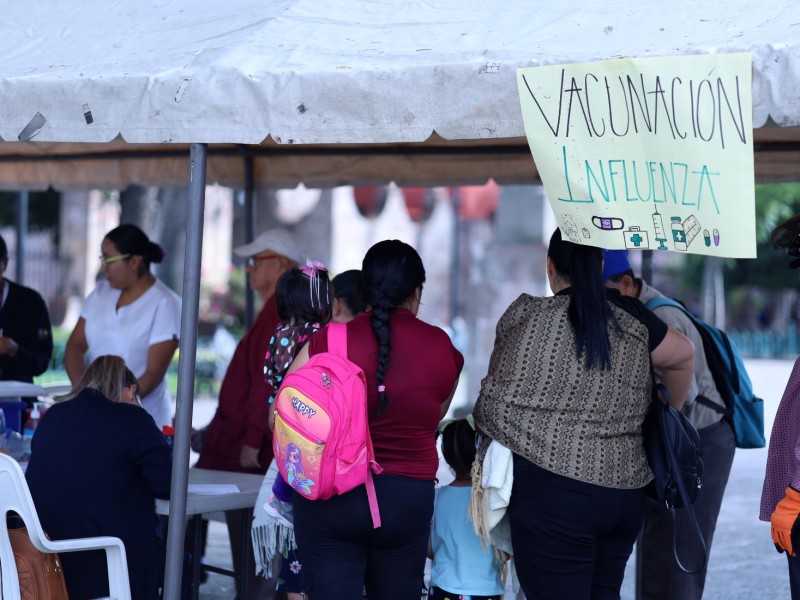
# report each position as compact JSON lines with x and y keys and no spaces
{"x":98,"y":462}
{"x":26,"y":337}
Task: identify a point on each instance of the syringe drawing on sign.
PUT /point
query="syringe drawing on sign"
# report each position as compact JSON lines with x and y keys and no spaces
{"x":661,"y":236}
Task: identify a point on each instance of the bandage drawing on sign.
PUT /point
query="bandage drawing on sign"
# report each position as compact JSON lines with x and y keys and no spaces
{"x":684,"y":233}
{"x":691,"y":227}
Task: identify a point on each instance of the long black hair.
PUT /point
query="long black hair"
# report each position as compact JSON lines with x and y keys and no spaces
{"x":129,"y":239}
{"x":390,"y":273}
{"x":588,"y":312}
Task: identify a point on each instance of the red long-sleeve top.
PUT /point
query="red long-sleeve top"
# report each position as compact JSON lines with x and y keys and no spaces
{"x":242,"y":417}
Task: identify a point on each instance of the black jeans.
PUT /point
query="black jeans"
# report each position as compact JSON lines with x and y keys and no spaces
{"x":657,"y":574}
{"x":342,"y":553}
{"x":794,"y":574}
{"x":571,"y":539}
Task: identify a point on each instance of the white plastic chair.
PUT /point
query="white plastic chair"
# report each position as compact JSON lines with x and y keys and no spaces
{"x":15,"y":496}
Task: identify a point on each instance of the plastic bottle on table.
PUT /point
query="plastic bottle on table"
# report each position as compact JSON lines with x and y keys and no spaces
{"x":33,"y":422}
{"x":169,"y":436}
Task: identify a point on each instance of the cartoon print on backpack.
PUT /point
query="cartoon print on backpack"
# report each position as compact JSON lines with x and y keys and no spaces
{"x":297,"y":460}
{"x":294,"y":470}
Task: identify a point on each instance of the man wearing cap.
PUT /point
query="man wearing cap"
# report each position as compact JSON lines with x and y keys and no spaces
{"x":657,"y":573}
{"x":238,"y":437}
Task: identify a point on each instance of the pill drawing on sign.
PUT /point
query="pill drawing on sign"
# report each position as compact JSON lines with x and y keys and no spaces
{"x":706,"y":237}
{"x":716,"y":237}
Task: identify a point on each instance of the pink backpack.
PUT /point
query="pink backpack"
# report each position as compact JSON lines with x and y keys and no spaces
{"x":321,"y":438}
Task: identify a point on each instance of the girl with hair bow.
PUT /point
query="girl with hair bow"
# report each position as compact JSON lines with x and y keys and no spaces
{"x":304,"y":296}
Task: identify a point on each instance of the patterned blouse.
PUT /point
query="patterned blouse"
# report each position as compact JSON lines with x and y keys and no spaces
{"x":544,"y":405}
{"x":283,"y":347}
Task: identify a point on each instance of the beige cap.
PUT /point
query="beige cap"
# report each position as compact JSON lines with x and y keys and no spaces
{"x":278,"y":241}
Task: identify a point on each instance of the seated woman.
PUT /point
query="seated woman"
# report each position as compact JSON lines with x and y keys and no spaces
{"x":98,"y":462}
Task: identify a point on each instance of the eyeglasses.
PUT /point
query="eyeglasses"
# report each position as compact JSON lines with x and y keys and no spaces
{"x":252,"y":261}
{"x":104,"y":262}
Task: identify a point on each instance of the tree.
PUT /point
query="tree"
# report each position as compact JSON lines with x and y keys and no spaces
{"x":43,"y":209}
{"x":749,"y":283}
{"x":774,"y":204}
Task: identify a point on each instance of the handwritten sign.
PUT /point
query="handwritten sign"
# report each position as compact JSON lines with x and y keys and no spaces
{"x":648,"y":153}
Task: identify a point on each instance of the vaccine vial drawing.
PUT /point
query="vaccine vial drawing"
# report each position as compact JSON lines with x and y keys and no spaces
{"x":678,"y":234}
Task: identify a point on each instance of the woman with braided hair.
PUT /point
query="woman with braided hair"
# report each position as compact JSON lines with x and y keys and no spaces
{"x":411,"y":369}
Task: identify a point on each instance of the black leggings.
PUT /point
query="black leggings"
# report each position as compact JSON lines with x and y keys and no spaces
{"x":571,"y":539}
{"x":343,"y":554}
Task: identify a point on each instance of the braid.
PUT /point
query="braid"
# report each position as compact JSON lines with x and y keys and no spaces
{"x":380,"y":327}
{"x":390,"y":273}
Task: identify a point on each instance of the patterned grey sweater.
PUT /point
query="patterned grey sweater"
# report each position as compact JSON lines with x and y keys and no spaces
{"x":543,"y":403}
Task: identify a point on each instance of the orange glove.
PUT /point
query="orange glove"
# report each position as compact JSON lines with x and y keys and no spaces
{"x":784,"y":521}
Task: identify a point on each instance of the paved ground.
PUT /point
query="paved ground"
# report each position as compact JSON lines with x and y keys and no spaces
{"x":743,"y":563}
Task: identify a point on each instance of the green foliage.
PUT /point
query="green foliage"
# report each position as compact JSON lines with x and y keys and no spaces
{"x":43,"y":209}
{"x":751,"y":285}
{"x":774,"y":204}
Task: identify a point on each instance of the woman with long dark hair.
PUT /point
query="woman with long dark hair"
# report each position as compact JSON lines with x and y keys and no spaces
{"x":130,"y":314}
{"x":411,"y":369}
{"x":567,"y":390}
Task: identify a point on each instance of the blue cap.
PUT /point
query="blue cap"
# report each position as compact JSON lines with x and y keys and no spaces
{"x":614,"y":263}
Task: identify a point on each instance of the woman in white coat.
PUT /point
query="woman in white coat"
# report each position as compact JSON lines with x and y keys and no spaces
{"x":130,"y":314}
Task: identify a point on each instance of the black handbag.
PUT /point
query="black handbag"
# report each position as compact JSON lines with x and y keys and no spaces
{"x":672,"y":446}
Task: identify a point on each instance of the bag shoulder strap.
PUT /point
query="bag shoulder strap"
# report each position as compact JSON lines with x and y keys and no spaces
{"x":658,"y":301}
{"x":337,"y":339}
{"x":337,"y":344}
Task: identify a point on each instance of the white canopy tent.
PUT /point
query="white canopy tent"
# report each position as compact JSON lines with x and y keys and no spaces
{"x":340,"y":92}
{"x":106,"y":93}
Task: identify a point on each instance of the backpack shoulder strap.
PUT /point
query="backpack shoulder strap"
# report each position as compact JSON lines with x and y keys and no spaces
{"x":658,"y":301}
{"x":708,"y":343}
{"x":337,"y":339}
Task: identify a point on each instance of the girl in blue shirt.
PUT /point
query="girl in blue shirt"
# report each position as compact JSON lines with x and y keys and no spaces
{"x":462,"y":569}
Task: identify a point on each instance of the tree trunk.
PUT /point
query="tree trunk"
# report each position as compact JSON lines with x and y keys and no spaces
{"x":139,"y":205}
{"x":172,"y":236}
{"x":713,"y":292}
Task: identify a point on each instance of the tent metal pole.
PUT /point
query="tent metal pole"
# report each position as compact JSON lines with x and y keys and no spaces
{"x":186,"y":369}
{"x":249,"y":232}
{"x":22,"y":232}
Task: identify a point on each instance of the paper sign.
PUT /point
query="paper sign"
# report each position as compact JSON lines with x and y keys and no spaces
{"x":647,"y":153}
